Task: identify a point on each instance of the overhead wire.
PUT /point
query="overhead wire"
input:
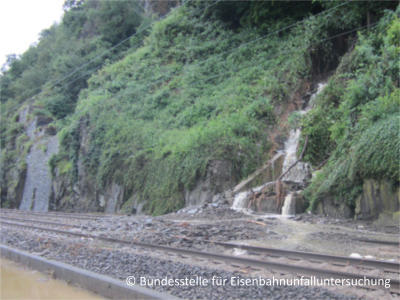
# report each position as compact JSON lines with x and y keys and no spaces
{"x":257,"y":63}
{"x":100,"y":55}
{"x":199,"y":63}
{"x":231,"y":50}
{"x":243,"y":67}
{"x":227,"y":72}
{"x":196,"y":12}
{"x":269,"y":58}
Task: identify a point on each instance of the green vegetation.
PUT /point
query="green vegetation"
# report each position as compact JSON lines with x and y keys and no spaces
{"x":356,"y":121}
{"x":200,"y":89}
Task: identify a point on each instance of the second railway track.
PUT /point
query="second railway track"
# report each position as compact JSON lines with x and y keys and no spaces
{"x":362,"y":264}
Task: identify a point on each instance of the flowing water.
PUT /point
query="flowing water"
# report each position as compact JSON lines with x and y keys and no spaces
{"x":241,"y":201}
{"x":288,"y":206}
{"x":18,"y":282}
{"x":297,"y":174}
{"x":301,"y":170}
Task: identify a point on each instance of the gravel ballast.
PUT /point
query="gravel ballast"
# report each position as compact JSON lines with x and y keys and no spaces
{"x":119,"y":264}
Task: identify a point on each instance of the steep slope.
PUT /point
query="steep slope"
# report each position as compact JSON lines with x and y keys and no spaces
{"x":211,"y":95}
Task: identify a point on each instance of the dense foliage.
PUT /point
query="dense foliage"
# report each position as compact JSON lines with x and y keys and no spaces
{"x":356,"y":122}
{"x":87,"y":30}
{"x":211,"y":81}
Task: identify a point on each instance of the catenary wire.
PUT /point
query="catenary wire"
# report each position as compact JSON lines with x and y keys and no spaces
{"x":243,"y":67}
{"x":199,"y":63}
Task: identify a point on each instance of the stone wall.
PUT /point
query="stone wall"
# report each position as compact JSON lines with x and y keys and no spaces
{"x":37,"y":190}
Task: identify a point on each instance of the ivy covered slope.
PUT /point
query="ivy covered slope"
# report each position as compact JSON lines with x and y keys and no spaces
{"x":212,"y":81}
{"x":355,"y":124}
{"x":188,"y":96}
{"x":52,"y":72}
{"x":87,"y":30}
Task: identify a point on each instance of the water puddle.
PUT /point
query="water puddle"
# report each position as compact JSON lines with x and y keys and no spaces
{"x":333,"y":239}
{"x":18,"y":282}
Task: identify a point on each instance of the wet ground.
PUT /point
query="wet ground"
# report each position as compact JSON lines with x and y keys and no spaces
{"x":191,"y":227}
{"x":19,"y":282}
{"x":311,"y":233}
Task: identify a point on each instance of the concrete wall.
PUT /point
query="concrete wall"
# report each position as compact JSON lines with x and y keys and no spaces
{"x":102,"y":285}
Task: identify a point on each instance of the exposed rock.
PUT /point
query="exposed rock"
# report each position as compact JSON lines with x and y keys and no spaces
{"x":228,"y":194}
{"x":270,"y":172}
{"x":23,"y":114}
{"x":216,"y":198}
{"x":378,"y":202}
{"x":43,"y":120}
{"x":76,"y":189}
{"x":114,"y":198}
{"x":334,"y":208}
{"x":85,"y":195}
{"x":16,"y":191}
{"x":267,"y":204}
{"x":280,"y":142}
{"x":102,"y":201}
{"x":219,"y":178}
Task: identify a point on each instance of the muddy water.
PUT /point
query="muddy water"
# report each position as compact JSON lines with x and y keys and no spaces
{"x":300,"y":236}
{"x":18,"y":282}
{"x":297,"y":238}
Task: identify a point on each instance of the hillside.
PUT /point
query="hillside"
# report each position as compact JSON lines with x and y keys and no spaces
{"x":212,"y":84}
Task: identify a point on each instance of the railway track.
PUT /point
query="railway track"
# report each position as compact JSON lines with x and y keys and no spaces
{"x":380,"y":242}
{"x":363,"y":265}
{"x":53,"y":214}
{"x":271,"y":252}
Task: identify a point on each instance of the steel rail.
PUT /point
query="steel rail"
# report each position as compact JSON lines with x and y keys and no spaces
{"x":318,"y":258}
{"x":299,"y":270}
{"x":295,"y":255}
{"x":53,"y":215}
{"x":380,"y":242}
{"x":44,"y":222}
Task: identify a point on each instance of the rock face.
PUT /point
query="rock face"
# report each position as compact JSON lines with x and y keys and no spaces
{"x":219,"y":178}
{"x":270,"y":172}
{"x":301,"y":171}
{"x":114,"y":195}
{"x":37,"y":188}
{"x":294,"y":203}
{"x":378,"y":202}
{"x":33,"y":187}
{"x":84,"y":195}
{"x":334,"y":208}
